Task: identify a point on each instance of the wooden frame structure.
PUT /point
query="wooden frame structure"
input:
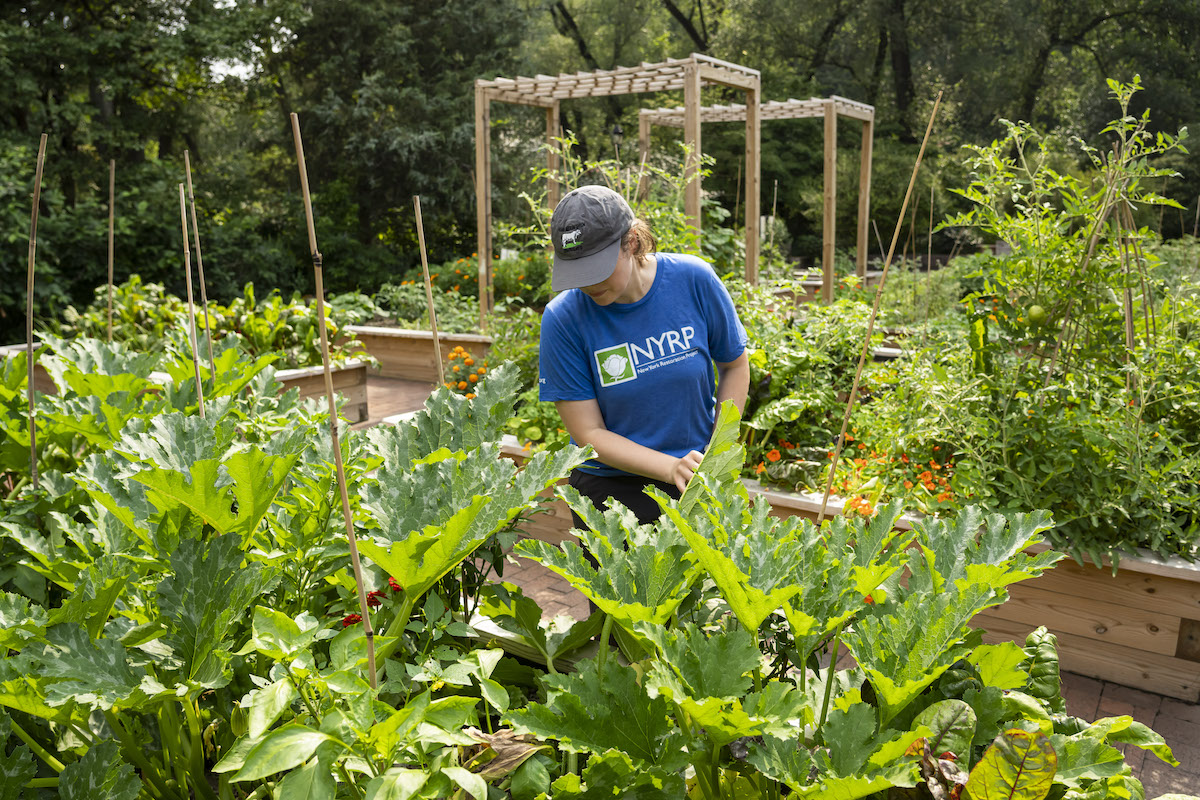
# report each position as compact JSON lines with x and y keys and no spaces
{"x":828,"y":108}
{"x":546,"y":91}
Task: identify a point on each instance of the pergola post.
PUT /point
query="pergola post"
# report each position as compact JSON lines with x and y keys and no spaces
{"x":643,"y":153}
{"x":829,"y":220}
{"x":691,"y":137}
{"x":553,"y":188}
{"x":753,"y":182}
{"x":864,"y":195}
{"x":483,"y":199}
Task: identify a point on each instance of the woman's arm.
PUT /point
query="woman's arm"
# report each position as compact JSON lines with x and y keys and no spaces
{"x":585,"y":423}
{"x":733,"y":381}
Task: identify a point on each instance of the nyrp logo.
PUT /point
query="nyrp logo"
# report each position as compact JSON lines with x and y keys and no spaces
{"x":615,"y":365}
{"x":623,"y":362}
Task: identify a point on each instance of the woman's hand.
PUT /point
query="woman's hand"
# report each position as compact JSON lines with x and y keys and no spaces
{"x":684,"y":468}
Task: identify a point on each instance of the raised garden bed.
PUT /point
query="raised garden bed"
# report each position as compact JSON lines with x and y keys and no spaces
{"x":408,"y":354}
{"x":1139,"y":628}
{"x":349,"y":380}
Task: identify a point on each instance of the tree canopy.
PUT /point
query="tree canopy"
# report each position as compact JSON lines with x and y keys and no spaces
{"x":384,"y":91}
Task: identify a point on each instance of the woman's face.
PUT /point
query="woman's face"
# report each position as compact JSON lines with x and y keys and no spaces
{"x":618,"y":287}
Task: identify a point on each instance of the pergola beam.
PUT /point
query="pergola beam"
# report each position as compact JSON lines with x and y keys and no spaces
{"x":828,"y":109}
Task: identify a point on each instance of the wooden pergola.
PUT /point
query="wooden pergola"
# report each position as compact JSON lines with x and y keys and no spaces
{"x":828,"y":108}
{"x":546,"y":91}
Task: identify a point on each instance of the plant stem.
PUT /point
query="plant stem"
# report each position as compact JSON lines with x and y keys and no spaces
{"x":605,"y":632}
{"x":42,"y":783}
{"x":833,"y":657}
{"x":133,"y":752}
{"x":41,"y":752}
{"x":198,"y":773}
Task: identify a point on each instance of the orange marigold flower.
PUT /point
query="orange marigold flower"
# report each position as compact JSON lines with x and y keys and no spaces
{"x":862,"y":446}
{"x":455,"y":368}
{"x":481,"y":371}
{"x":473,"y":378}
{"x":463,"y":384}
{"x":470,"y":395}
{"x":849,"y":438}
{"x":936,"y":448}
{"x":773,"y":455}
{"x":470,"y":362}
{"x":944,"y":497}
{"x":860,"y":462}
{"x":520,"y":277}
{"x":869,"y":600}
{"x":925,"y":476}
{"x":455,"y":287}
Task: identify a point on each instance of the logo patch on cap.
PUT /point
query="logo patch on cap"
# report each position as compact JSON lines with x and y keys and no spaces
{"x":571,"y":239}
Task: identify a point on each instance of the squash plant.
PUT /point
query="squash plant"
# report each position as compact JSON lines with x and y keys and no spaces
{"x":703,"y":710}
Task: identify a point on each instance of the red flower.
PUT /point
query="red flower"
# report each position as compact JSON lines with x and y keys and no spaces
{"x":773,"y":455}
{"x":904,"y":457}
{"x":786,"y":445}
{"x":908,"y":484}
{"x":396,"y":587}
{"x":375,"y":598}
{"x":351,"y":619}
{"x":760,"y":469}
{"x":869,"y":600}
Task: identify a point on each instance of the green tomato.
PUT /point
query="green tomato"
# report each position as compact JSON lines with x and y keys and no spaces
{"x":1037,"y":316}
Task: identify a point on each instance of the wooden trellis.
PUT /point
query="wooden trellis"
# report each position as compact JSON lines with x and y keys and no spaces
{"x":547,"y":91}
{"x":829,"y":108}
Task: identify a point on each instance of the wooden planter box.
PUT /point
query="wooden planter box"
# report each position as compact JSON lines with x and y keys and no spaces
{"x":41,"y":379}
{"x":408,"y":354}
{"x":1140,"y":627}
{"x":349,"y":380}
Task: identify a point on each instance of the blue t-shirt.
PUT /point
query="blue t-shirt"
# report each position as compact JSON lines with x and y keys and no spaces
{"x":648,"y":364}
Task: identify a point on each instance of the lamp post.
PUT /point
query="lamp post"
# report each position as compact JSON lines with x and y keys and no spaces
{"x":618,"y":136}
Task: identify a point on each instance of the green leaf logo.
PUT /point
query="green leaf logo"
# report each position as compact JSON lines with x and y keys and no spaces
{"x":615,"y":365}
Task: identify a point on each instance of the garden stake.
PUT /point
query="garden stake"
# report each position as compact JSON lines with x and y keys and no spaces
{"x":928,"y":270}
{"x":774,"y":197}
{"x":862,"y":356}
{"x":1196,"y":224}
{"x":1148,"y":314}
{"x":333,"y":418}
{"x":37,"y":199}
{"x":187,"y":272}
{"x":878,"y":240}
{"x":437,"y":343}
{"x":112,"y":185}
{"x":187,"y":166}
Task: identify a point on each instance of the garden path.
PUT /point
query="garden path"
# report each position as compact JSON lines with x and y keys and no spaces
{"x":1178,"y":722}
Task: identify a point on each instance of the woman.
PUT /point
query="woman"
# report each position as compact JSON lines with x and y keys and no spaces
{"x":628,"y":351}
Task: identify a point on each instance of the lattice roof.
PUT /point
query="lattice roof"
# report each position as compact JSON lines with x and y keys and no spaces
{"x":542,"y":90}
{"x":775,"y":109}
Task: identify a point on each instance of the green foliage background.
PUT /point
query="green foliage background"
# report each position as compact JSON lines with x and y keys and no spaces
{"x":384,"y":91}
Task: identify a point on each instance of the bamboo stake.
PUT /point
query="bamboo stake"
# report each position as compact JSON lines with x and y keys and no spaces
{"x":437,"y":343}
{"x":187,"y":272}
{"x":112,"y":185}
{"x":37,"y":199}
{"x":878,"y":239}
{"x":333,"y":419}
{"x":1196,"y":224}
{"x":928,"y":270}
{"x":862,"y":356}
{"x":187,"y":166}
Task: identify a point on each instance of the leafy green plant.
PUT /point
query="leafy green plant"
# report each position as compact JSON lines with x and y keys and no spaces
{"x":703,"y":709}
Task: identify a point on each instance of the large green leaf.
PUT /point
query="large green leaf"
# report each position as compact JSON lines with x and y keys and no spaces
{"x":1083,"y":759}
{"x":592,"y":712}
{"x":640,"y":572}
{"x":312,"y":781}
{"x":507,"y":606}
{"x":614,"y":775}
{"x":750,"y":555}
{"x":906,"y":650}
{"x":449,"y":421}
{"x":211,"y":589}
{"x":1126,"y":730}
{"x":231,"y":495}
{"x":16,"y":769}
{"x":723,"y":457}
{"x":100,"y":773}
{"x":96,"y":674}
{"x":1019,"y":765}
{"x":20,"y":621}
{"x":396,"y":784}
{"x":952,"y":726}
{"x":281,"y":750}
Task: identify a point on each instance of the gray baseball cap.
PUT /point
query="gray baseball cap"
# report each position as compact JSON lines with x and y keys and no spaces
{"x":586,"y":228}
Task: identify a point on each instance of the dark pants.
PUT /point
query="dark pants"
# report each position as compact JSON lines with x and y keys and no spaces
{"x":629,"y":491}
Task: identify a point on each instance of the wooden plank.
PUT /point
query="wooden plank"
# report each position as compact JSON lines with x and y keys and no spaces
{"x":483,"y":198}
{"x":408,"y":354}
{"x":1149,"y":672}
{"x":1090,"y":618}
{"x":1152,"y":593}
{"x":691,"y":136}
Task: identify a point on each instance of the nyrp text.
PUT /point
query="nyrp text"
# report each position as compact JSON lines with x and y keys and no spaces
{"x":665,"y":344}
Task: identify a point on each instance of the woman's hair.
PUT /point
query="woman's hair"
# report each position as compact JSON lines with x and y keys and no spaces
{"x":638,"y":241}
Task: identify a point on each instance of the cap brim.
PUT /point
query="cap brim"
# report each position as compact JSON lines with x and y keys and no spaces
{"x":574,"y":273}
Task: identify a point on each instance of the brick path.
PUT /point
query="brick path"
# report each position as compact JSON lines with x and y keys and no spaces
{"x":1178,"y":722}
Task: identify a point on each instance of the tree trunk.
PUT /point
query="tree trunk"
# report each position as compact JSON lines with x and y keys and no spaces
{"x":822,"y":50}
{"x":902,"y":79}
{"x":698,"y":38}
{"x":1035,"y":78}
{"x":881,"y":51}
